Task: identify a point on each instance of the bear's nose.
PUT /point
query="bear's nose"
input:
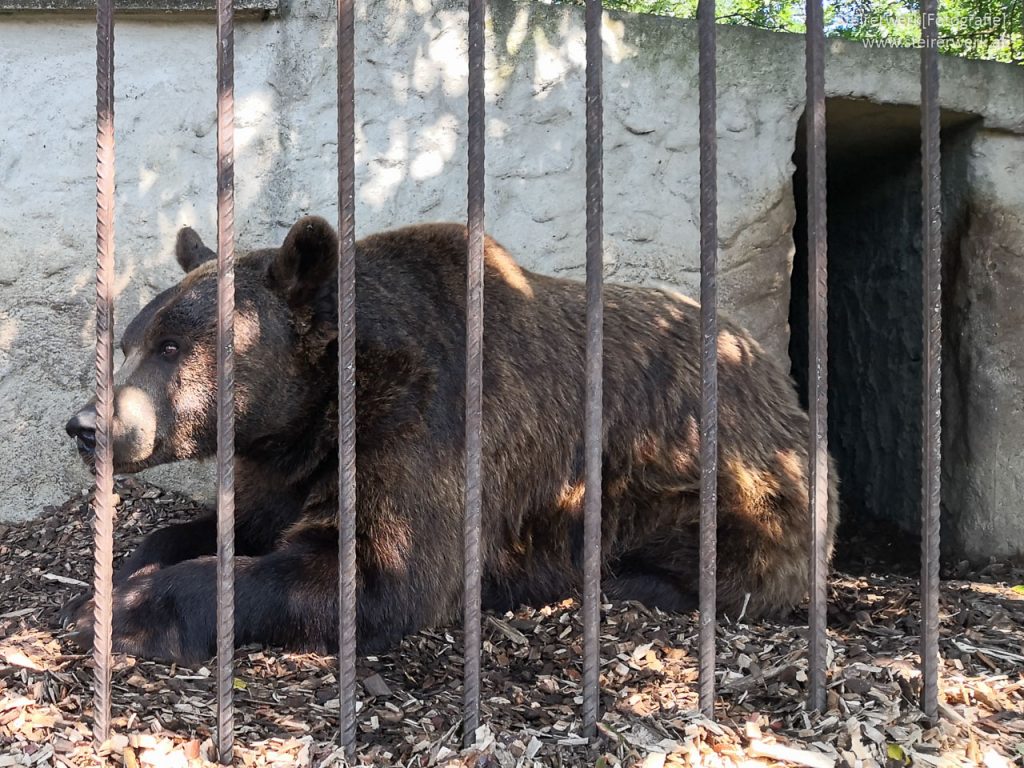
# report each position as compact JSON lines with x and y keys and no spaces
{"x":82,"y":427}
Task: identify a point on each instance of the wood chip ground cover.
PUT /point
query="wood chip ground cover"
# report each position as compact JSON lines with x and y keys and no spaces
{"x":410,"y":700}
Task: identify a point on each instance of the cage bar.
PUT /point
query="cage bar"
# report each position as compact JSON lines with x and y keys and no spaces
{"x":225,"y":379}
{"x":594,"y":372}
{"x":103,"y":500}
{"x":817,"y":249}
{"x":474,"y":373}
{"x":709,"y":352}
{"x":931,"y":446}
{"x":346,"y":379}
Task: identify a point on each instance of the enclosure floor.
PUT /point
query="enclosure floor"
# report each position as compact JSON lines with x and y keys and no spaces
{"x":410,"y":699}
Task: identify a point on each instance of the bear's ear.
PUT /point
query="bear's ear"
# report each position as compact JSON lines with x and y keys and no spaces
{"x":190,"y":251}
{"x":306,"y":261}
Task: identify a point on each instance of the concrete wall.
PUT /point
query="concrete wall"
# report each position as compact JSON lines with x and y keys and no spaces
{"x":983,"y":471}
{"x":411,"y":106}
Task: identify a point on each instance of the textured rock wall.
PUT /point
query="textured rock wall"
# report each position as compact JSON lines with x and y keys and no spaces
{"x":411,"y":106}
{"x":875,"y":338}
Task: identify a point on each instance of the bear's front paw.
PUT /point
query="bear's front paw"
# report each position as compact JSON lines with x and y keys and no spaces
{"x":156,"y":616}
{"x":69,"y":612}
{"x":78,"y":618}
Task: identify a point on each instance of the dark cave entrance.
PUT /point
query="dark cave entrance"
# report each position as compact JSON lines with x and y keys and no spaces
{"x":874,"y":315}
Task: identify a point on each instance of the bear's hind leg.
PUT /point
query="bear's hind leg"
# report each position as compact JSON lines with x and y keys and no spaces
{"x":654,"y":590}
{"x":667,"y":583}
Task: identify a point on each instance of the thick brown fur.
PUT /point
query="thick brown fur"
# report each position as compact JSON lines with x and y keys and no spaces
{"x":410,"y":408}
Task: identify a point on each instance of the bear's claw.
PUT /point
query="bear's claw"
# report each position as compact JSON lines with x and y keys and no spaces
{"x":70,"y":612}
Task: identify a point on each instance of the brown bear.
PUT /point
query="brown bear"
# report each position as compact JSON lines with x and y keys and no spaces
{"x":410,"y":331}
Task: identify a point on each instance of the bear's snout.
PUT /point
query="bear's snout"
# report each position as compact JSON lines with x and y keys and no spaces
{"x":82,"y":427}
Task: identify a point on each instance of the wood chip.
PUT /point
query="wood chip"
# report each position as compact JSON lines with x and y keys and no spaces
{"x":65,"y":580}
{"x":791,"y":754}
{"x":375,"y":686}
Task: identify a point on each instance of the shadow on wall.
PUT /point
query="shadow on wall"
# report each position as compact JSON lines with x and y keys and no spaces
{"x":407,"y":154}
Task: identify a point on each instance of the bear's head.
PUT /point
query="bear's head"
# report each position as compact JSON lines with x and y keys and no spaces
{"x":165,"y":394}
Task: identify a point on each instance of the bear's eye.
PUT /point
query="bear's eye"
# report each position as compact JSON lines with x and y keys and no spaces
{"x":168,"y":349}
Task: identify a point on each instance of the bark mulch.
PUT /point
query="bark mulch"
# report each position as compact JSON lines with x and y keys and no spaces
{"x":410,"y":700}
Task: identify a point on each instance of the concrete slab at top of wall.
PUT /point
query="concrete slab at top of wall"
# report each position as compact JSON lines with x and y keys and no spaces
{"x":411,"y":110}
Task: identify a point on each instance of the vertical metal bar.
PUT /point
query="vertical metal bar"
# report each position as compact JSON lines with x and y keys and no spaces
{"x":593,"y":428}
{"x":346,"y":378}
{"x":709,"y":352}
{"x":225,"y":378}
{"x":474,"y":372}
{"x":931,"y":447}
{"x":104,"y":498}
{"x":817,"y":249}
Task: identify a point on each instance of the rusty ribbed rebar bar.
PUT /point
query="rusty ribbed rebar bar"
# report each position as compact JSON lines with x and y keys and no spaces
{"x":709,"y":352}
{"x":225,"y":379}
{"x":593,"y":428}
{"x":817,"y":249}
{"x":103,"y":503}
{"x":931,"y":440}
{"x":346,"y":379}
{"x":474,"y":373}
